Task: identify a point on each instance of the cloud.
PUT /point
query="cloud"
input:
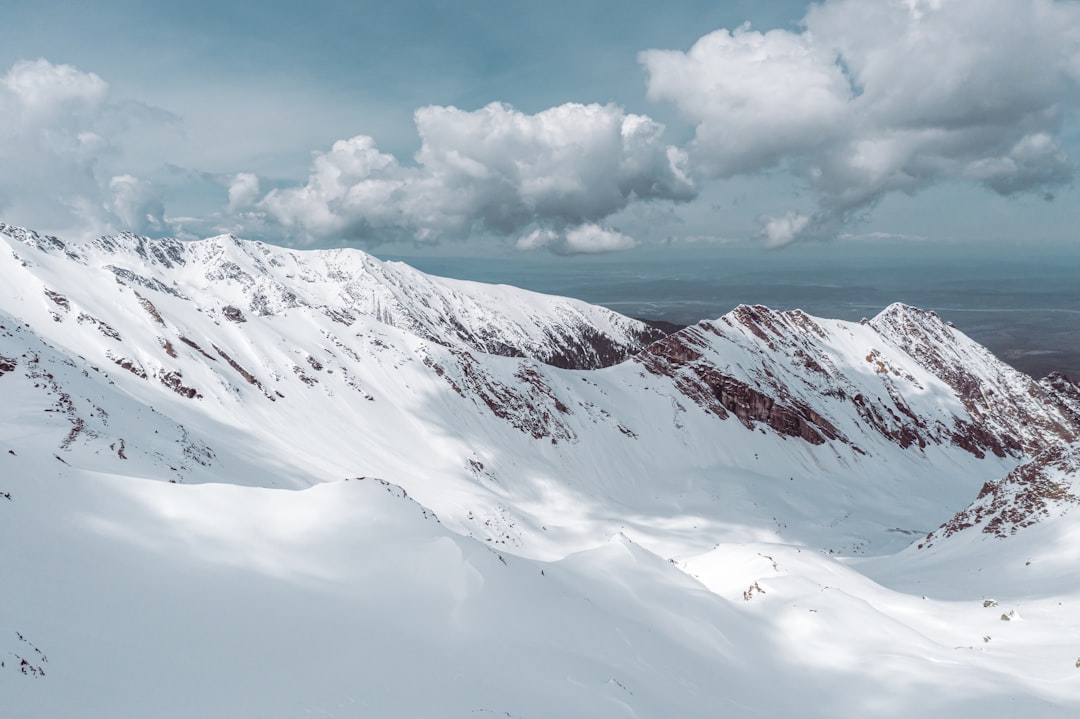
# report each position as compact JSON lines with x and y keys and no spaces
{"x":243,"y":191}
{"x":878,"y":235}
{"x":493,"y":170}
{"x":586,"y":239}
{"x":780,"y":231}
{"x":874,"y":96}
{"x":136,"y":204}
{"x":754,"y":97}
{"x":39,"y":89}
{"x":539,"y":239}
{"x":60,"y":144}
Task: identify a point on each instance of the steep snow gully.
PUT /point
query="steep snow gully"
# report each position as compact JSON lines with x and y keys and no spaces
{"x":238,"y":480}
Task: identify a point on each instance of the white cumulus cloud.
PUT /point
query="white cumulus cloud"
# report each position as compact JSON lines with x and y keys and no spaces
{"x":493,"y":170}
{"x":754,"y":97}
{"x":60,"y":141}
{"x":878,"y":96}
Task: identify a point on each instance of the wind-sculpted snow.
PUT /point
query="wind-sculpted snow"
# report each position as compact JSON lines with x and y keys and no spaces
{"x":190,"y":435}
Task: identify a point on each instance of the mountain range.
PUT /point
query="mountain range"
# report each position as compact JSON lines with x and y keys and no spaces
{"x":241,"y":480}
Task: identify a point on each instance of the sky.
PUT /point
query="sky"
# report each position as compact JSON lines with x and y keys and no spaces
{"x":499,"y":127}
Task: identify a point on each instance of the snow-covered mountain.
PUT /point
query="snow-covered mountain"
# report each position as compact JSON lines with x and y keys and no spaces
{"x":380,"y":493}
{"x":905,"y":375}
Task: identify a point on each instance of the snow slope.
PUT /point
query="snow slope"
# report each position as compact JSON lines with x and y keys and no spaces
{"x":238,"y":480}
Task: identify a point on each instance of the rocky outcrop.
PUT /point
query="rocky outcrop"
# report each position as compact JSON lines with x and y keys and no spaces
{"x":1065,"y":393}
{"x":233,"y":314}
{"x":1033,"y":492}
{"x":174,"y":380}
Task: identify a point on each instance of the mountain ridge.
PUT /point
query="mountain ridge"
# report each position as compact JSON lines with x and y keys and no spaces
{"x":343,"y":282}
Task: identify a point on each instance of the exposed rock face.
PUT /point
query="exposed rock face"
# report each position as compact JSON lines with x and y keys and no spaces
{"x":794,"y":420}
{"x":721,"y":394}
{"x":1065,"y":393}
{"x":1033,"y":492}
{"x":823,"y":380}
{"x":586,"y":348}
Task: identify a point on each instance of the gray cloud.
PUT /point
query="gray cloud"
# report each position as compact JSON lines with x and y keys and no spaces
{"x":874,"y":96}
{"x":136,"y":205}
{"x":492,"y":170}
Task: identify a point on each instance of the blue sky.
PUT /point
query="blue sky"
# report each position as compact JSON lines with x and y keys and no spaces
{"x":323,"y":123}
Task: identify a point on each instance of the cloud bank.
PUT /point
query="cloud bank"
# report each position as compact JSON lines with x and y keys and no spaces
{"x":494,"y":170}
{"x":880,"y":96}
{"x":865,"y":99}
